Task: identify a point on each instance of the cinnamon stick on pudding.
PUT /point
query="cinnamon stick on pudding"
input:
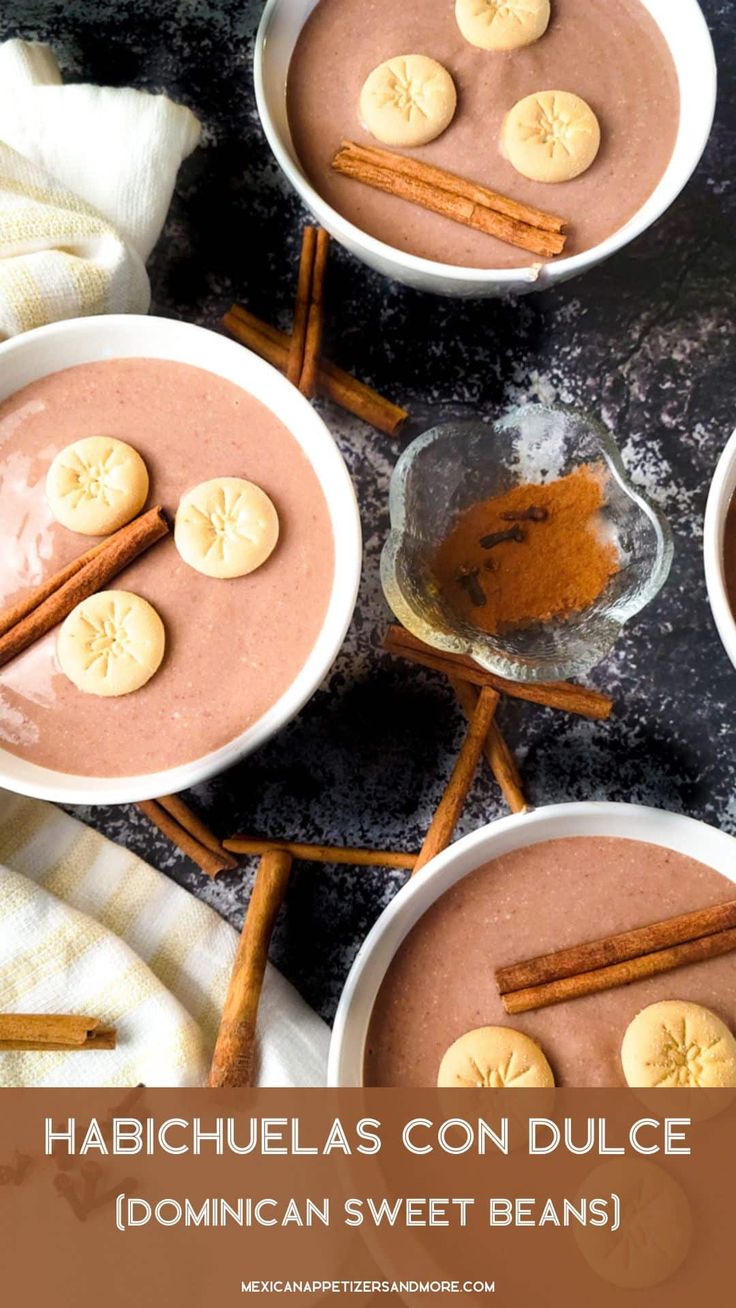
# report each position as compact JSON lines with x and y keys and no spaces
{"x":188,"y":832}
{"x":339,"y":386}
{"x":55,"y":598}
{"x":453,"y":197}
{"x":552,"y":694}
{"x":323,"y":853}
{"x":234,"y":1058}
{"x":13,"y":615}
{"x":47,"y":1031}
{"x":451,"y":805}
{"x":618,"y":960}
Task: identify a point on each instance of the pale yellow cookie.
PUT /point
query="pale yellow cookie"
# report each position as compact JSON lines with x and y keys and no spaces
{"x":96,"y":485}
{"x":111,"y":643}
{"x":226,"y":527}
{"x":656,"y":1227}
{"x":677,"y":1044}
{"x":494,"y":1058}
{"x":551,"y":136}
{"x":502,"y":24}
{"x":408,"y":100}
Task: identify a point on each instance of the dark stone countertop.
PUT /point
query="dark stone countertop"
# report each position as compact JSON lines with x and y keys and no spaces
{"x":646,"y":341}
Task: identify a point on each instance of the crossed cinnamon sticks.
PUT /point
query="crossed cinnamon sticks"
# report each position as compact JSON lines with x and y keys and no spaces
{"x":479,"y":694}
{"x":470,"y":684}
{"x":299,"y":354}
{"x":189,"y":833}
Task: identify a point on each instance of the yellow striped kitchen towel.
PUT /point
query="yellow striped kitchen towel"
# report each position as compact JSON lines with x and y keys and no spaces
{"x":87,"y":927}
{"x":86,"y":179}
{"x":59,"y":258}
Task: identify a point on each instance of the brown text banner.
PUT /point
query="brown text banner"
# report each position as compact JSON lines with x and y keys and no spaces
{"x":371,"y":1196}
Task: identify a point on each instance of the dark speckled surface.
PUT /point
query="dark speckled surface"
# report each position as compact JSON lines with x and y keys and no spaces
{"x":647,"y":341}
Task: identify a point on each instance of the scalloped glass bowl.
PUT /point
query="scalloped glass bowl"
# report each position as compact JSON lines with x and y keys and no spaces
{"x":453,"y":466}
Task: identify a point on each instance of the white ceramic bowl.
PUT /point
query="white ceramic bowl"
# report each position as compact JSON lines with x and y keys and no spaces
{"x":84,"y":340}
{"x":687,"y":36}
{"x":682,"y":834}
{"x":722,"y":490}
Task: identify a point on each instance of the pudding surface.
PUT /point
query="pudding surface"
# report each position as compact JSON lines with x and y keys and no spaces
{"x":533,"y":901}
{"x":609,"y":52}
{"x":233,"y":647}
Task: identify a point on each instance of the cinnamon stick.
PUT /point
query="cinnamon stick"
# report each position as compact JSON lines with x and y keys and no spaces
{"x":234,"y":1056}
{"x":339,"y":386}
{"x":451,"y":805}
{"x":445,"y":194}
{"x":448,"y":181}
{"x":12,"y":615}
{"x":552,"y":694}
{"x":620,"y":974}
{"x":182,"y":814}
{"x":69,"y":590}
{"x":323,"y":853}
{"x":497,"y":753}
{"x":618,"y":948}
{"x":301,"y":312}
{"x":315,"y":320}
{"x":188,"y":833}
{"x":47,"y":1031}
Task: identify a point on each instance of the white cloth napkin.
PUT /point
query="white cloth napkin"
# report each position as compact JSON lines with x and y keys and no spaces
{"x":86,"y":179}
{"x":86,"y":927}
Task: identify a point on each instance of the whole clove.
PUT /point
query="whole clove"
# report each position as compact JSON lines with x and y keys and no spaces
{"x":470,"y":582}
{"x":498,"y":537}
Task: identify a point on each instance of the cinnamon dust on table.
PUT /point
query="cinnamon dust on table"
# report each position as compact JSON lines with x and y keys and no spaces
{"x":535,"y":553}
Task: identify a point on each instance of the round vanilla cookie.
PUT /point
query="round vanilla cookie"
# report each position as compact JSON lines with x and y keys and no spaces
{"x":96,"y":485}
{"x":408,"y":100}
{"x":551,"y":136}
{"x":678,"y":1044}
{"x":111,"y":643}
{"x":502,"y":24}
{"x":656,"y":1228}
{"x":494,"y":1058}
{"x":226,"y":527}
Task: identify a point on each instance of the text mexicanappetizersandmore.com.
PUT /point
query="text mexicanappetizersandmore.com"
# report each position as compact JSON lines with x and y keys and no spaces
{"x":368,"y":1287}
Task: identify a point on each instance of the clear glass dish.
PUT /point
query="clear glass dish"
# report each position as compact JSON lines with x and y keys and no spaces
{"x":453,"y":466}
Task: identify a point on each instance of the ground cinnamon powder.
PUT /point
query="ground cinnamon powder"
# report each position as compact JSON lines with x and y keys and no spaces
{"x":534,"y":553}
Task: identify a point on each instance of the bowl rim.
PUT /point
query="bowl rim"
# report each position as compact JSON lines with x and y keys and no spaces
{"x":143,"y":331}
{"x":620,"y":613}
{"x":559,"y":269}
{"x":720,"y":494}
{"x":677,"y":831}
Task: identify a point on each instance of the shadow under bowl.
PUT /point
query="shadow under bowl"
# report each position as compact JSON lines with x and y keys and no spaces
{"x":717,"y":576}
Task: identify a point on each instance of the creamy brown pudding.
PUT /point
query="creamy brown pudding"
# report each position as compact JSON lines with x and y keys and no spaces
{"x":233,"y":647}
{"x":533,"y":901}
{"x":609,"y":52}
